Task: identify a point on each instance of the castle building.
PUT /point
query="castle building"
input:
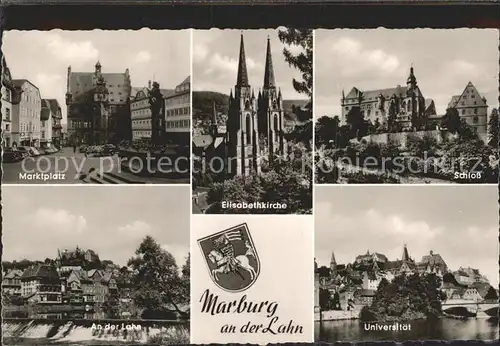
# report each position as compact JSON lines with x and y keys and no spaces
{"x":402,"y":107}
{"x":251,"y":119}
{"x":97,"y":105}
{"x":472,"y":108}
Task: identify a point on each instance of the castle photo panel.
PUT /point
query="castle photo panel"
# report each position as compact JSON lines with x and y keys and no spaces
{"x":406,"y":106}
{"x":252,"y":121}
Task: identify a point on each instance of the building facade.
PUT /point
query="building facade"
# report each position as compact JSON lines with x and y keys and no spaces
{"x":147,"y":109}
{"x":472,"y":108}
{"x":40,"y":284}
{"x":177,"y":111}
{"x":26,"y":110}
{"x":401,"y":107}
{"x":98,"y":106}
{"x":7,"y":90}
{"x":46,"y":120}
{"x":56,"y":113}
{"x":11,"y":283}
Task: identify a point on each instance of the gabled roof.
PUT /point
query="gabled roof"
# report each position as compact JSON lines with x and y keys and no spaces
{"x":469,"y":97}
{"x":481,"y":287}
{"x":18,"y":83}
{"x":372,"y":95}
{"x":13,"y":274}
{"x":40,"y":271}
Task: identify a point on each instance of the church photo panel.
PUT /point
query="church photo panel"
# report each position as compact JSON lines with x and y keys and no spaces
{"x":252,"y":121}
{"x":406,"y":106}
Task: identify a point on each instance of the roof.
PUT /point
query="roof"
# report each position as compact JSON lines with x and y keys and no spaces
{"x":13,"y":274}
{"x":481,"y":287}
{"x":202,"y":141}
{"x":20,"y":82}
{"x":40,"y":271}
{"x":372,"y":95}
{"x":54,"y":105}
{"x":469,"y":97}
{"x":45,"y":111}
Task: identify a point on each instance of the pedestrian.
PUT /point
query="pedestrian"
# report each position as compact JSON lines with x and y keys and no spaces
{"x":74,"y":148}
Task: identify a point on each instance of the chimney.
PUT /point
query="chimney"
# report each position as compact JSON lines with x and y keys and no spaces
{"x":149,"y":84}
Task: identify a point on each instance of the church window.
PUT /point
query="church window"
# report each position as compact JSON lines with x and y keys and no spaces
{"x":275,"y":105}
{"x":276,"y":123}
{"x":475,"y":120}
{"x":408,"y":106}
{"x":247,"y":104}
{"x":248,"y":130}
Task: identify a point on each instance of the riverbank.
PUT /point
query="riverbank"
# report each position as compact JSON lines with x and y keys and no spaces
{"x":336,"y":315}
{"x":93,"y":332}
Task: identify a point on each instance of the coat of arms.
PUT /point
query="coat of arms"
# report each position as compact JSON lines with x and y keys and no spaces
{"x":231,"y":258}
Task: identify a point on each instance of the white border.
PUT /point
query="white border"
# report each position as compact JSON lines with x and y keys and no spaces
{"x":191,"y":164}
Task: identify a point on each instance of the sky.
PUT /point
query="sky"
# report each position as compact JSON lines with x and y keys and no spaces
{"x":39,"y":220}
{"x":444,"y":60}
{"x":216,"y":54}
{"x":459,"y":223}
{"x":43,"y":57}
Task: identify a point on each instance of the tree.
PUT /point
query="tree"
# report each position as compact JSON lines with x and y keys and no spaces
{"x":155,"y":274}
{"x":302,"y":61}
{"x":185,"y":280}
{"x":452,"y":120}
{"x":326,"y":129}
{"x":111,"y":306}
{"x":325,"y":299}
{"x":356,"y":121}
{"x":493,"y":129}
{"x":391,"y":118}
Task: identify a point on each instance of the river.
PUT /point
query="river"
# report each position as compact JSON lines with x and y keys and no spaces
{"x":443,"y":329}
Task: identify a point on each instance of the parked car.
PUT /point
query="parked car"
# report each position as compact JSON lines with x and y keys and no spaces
{"x":12,"y":155}
{"x":34,"y":151}
{"x":25,"y":151}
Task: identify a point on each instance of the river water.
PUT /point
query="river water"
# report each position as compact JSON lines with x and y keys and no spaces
{"x":443,"y":329}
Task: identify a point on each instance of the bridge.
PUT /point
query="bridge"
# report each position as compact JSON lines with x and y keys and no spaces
{"x":482,"y":309}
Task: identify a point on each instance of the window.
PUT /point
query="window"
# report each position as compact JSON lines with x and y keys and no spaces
{"x":475,"y":120}
{"x":463,"y":111}
{"x":7,"y":114}
{"x":475,"y":110}
{"x":7,"y":127}
{"x":248,"y":130}
{"x":276,"y":123}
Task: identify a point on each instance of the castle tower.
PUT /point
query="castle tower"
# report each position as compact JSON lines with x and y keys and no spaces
{"x":333,"y":267}
{"x":271,"y":113}
{"x":405,"y":257}
{"x":242,"y":124}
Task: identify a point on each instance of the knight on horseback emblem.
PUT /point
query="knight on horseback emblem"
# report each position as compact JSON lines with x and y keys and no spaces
{"x":231,"y":258}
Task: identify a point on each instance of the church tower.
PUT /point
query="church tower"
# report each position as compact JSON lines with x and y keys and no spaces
{"x":242,"y":124}
{"x":213,"y":129}
{"x":414,"y":102}
{"x":271,"y":113}
{"x":333,"y":267}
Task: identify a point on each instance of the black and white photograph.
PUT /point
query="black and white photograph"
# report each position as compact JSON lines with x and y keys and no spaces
{"x":416,"y":106}
{"x":77,"y":272}
{"x":83,"y":107}
{"x":252,"y":121}
{"x":400,"y":263}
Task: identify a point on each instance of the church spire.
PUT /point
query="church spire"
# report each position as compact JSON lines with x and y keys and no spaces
{"x":269,"y":81}
{"x":412,"y":80}
{"x":242,"y":80}
{"x":406,"y":256}
{"x":332,"y":260}
{"x":214,"y":114}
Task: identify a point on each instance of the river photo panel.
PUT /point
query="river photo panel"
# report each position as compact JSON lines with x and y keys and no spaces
{"x":252,"y":121}
{"x":406,"y":106}
{"x":406,"y":263}
{"x":82,"y":107}
{"x":239,"y":267}
{"x":77,"y":273}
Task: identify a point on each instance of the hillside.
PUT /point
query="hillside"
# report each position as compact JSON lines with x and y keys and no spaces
{"x":203,"y":103}
{"x":203,"y":106}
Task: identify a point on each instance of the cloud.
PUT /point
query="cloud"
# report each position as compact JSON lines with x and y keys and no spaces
{"x":223,"y":64}
{"x":70,"y":51}
{"x":143,"y":57}
{"x":59,"y":220}
{"x":50,"y":85}
{"x":200,"y":52}
{"x":179,"y":252}
{"x":352,"y":59}
{"x":136,"y":229}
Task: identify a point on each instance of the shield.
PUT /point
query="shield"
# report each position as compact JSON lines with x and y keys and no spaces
{"x":231,"y":258}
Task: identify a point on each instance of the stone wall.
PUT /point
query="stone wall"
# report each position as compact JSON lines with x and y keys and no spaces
{"x":401,"y":139}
